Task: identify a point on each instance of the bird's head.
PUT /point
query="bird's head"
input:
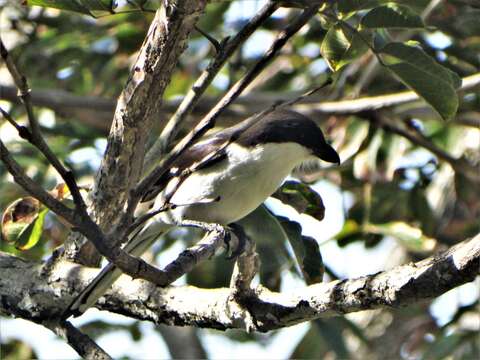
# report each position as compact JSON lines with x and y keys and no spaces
{"x":291,"y":127}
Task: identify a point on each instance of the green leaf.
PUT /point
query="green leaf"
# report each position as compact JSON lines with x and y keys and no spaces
{"x":346,"y":6}
{"x":313,"y":266}
{"x":302,"y":198}
{"x":312,"y":345}
{"x":263,"y":227}
{"x":306,"y":250}
{"x":97,"y":328}
{"x":325,"y":336}
{"x":392,"y":16}
{"x":342,"y":45}
{"x":350,"y":232}
{"x":31,"y":234}
{"x":443,"y":346}
{"x":332,"y":331}
{"x":410,"y":237}
{"x":430,"y":80}
{"x":80,"y":6}
{"x":14,"y":349}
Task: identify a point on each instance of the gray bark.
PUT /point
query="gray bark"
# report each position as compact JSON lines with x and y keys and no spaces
{"x":36,"y":291}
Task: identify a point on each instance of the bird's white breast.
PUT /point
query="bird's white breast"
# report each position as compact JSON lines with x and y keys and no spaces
{"x":225,"y":192}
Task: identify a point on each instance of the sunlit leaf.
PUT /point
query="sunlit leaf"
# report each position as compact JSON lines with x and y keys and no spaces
{"x":395,"y":147}
{"x":410,"y":237}
{"x":365,"y":162}
{"x":349,"y":137}
{"x":30,"y":236}
{"x":350,"y":232}
{"x":342,"y":45}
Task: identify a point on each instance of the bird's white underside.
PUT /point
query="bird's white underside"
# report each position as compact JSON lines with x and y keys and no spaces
{"x":241,"y":182}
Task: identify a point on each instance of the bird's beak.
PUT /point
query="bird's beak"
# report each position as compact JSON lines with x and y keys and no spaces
{"x":327,"y":153}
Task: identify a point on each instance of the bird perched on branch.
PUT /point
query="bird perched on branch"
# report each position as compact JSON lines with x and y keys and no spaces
{"x":220,"y":180}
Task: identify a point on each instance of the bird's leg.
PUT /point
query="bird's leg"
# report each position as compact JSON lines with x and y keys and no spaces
{"x":241,"y":245}
{"x":244,"y":242}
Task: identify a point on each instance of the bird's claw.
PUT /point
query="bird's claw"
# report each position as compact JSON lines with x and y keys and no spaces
{"x":243,"y":242}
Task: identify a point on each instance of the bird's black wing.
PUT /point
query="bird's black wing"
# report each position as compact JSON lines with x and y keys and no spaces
{"x":189,"y":158}
{"x":199,"y":152}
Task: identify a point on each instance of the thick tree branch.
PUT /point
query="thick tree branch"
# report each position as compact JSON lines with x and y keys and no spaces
{"x":35,"y":292}
{"x":138,"y":106}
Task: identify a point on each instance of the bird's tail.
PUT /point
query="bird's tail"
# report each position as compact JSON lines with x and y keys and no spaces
{"x":136,"y":246}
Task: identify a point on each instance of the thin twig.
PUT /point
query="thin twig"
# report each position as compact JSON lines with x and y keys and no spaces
{"x":225,"y":50}
{"x":32,"y":187}
{"x":97,"y":112}
{"x":35,"y":136}
{"x":205,"y":249}
{"x":215,"y":43}
{"x":80,"y":342}
{"x":458,"y":164}
{"x":82,"y":223}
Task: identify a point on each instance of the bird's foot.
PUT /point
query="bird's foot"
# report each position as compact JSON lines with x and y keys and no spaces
{"x":242,"y":243}
{"x":235,"y":245}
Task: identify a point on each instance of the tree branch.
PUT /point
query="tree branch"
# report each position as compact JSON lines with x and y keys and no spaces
{"x":97,"y":112}
{"x":35,"y":292}
{"x":460,"y":165}
{"x":32,"y":187}
{"x":33,"y":134}
{"x":138,"y":106}
{"x":81,"y":343}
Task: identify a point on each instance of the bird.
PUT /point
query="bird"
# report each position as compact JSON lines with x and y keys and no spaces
{"x":220,"y":180}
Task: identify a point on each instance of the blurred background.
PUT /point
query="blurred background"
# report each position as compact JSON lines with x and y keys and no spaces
{"x":389,"y":203}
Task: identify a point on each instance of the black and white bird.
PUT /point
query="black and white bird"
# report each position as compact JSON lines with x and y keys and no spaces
{"x":246,"y":164}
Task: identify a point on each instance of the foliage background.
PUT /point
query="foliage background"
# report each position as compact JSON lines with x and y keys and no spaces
{"x":390,"y":202}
